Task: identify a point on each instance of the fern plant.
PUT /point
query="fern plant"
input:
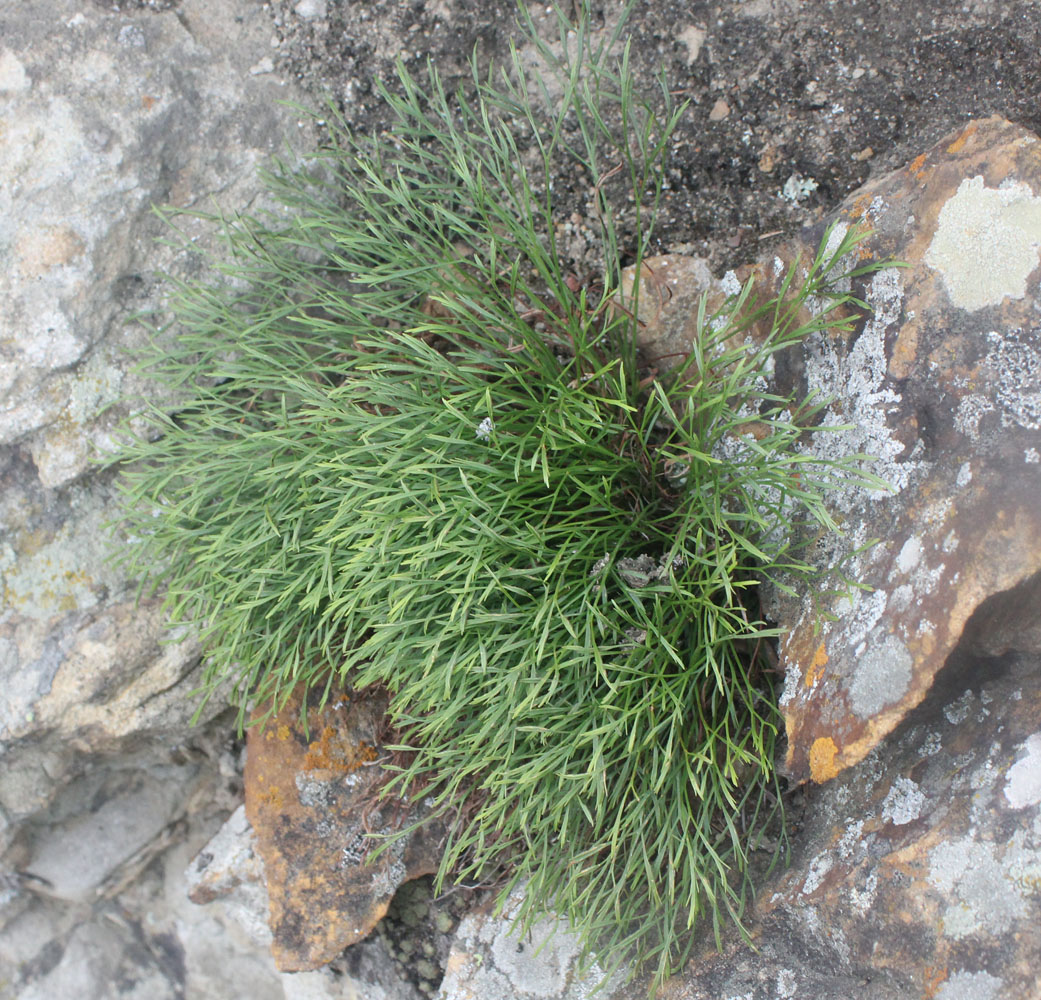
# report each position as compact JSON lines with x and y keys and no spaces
{"x":416,"y":453}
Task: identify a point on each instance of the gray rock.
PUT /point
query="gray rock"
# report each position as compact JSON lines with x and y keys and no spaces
{"x":229,"y":868}
{"x":72,"y":859}
{"x":915,"y":873}
{"x":491,"y":960}
{"x":106,"y":114}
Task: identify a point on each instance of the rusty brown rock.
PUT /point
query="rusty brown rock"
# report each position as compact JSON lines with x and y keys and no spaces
{"x":942,"y":384}
{"x":670,"y":291}
{"x":311,"y":800}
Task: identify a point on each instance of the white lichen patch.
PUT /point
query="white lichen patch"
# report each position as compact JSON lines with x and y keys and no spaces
{"x":861,"y":396}
{"x":958,"y":711}
{"x":1023,"y":781}
{"x":881,"y":676}
{"x":986,"y":242}
{"x":491,"y":960}
{"x":910,"y":554}
{"x":903,"y":803}
{"x":797,"y":188}
{"x":971,"y":410}
{"x":730,"y":285}
{"x":1031,"y":456}
{"x":786,"y":984}
{"x":932,"y":746}
{"x":819,"y":868}
{"x":970,"y":986}
{"x":850,"y":842}
{"x":863,"y":899}
{"x":1016,"y":364}
{"x":1023,"y":859}
{"x":983,"y":898}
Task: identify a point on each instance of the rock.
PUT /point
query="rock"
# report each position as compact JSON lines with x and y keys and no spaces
{"x":919,"y":869}
{"x":670,"y":291}
{"x":942,"y":384}
{"x":148,"y":942}
{"x":71,"y":859}
{"x":106,"y":112}
{"x":106,"y":116}
{"x":90,"y":965}
{"x":491,"y":961}
{"x":693,"y":37}
{"x":310,"y":9}
{"x":226,"y":878}
{"x":313,"y":802}
{"x":228,"y":868}
{"x":719,"y":111}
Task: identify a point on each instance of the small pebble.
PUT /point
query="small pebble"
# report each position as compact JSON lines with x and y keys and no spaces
{"x":719,"y":111}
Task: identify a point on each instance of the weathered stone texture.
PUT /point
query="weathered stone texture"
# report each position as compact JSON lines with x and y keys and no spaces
{"x":919,"y":869}
{"x":941,"y":383}
{"x":102,"y":114}
{"x":945,"y":386}
{"x":312,"y":800}
{"x":492,"y":960}
{"x":105,"y":115}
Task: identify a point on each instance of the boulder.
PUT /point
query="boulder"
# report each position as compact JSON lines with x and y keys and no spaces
{"x":491,"y":958}
{"x":941,"y":383}
{"x":917,"y":872}
{"x":106,"y":113}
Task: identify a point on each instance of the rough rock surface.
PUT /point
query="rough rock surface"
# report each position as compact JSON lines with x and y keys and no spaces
{"x":916,"y":871}
{"x":108,"y":113}
{"x":490,"y":960}
{"x":313,"y":803}
{"x":942,"y":384}
{"x":105,"y":113}
{"x":104,"y":786}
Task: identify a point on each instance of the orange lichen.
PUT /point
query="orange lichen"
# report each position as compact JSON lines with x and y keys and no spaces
{"x":916,"y":164}
{"x":333,"y":751}
{"x":967,"y":134}
{"x":932,"y":979}
{"x":822,"y":759}
{"x":820,"y":661}
{"x":271,"y":797}
{"x":859,"y":207}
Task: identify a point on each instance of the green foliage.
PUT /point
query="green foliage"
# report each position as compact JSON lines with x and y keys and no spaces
{"x":416,"y":454}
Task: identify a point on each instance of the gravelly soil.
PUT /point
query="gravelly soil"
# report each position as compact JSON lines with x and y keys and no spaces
{"x":833,"y":91}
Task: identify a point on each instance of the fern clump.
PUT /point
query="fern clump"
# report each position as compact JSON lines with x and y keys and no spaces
{"x":417,"y":453}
